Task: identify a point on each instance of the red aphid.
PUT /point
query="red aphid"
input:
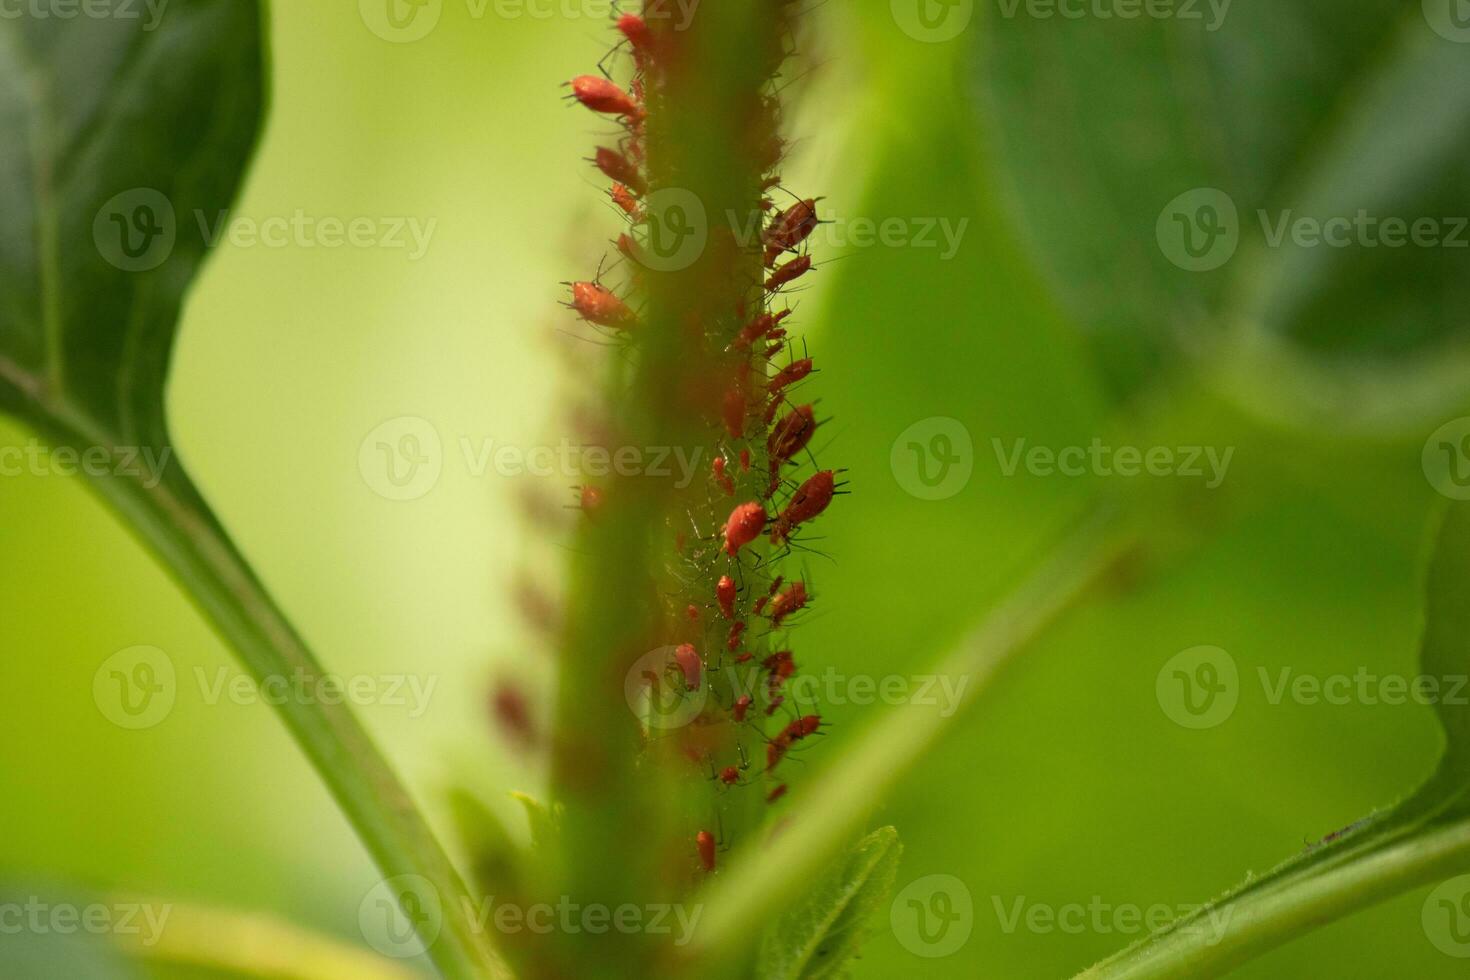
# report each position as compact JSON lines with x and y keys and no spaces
{"x":762,"y":326}
{"x":704,"y":842}
{"x":733,"y":412}
{"x":745,"y":460}
{"x":513,"y":714}
{"x":789,"y":272}
{"x":730,"y":775}
{"x":601,"y":95}
{"x":776,"y":793}
{"x":788,"y":602}
{"x":803,"y":726}
{"x":623,"y":198}
{"x":736,"y":631}
{"x":692,"y":612}
{"x":620,"y":169}
{"x":792,"y":434}
{"x":725,"y":592}
{"x":600,"y":305}
{"x":744,"y":658}
{"x":790,"y":228}
{"x":781,"y":666}
{"x":744,"y":525}
{"x":635,"y":29}
{"x":775,"y":706}
{"x":741,"y":708}
{"x":591,"y":499}
{"x":629,"y":248}
{"x":726,"y":482}
{"x":790,"y":374}
{"x":760,"y":604}
{"x":689,"y":664}
{"x":810,"y":499}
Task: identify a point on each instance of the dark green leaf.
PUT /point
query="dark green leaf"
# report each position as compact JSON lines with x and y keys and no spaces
{"x":126,"y":138}
{"x":820,"y":937}
{"x":1293,"y":109}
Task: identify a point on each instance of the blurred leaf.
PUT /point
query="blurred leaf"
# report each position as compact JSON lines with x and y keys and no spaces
{"x":820,"y":937}
{"x":1118,"y":137}
{"x":543,"y":821}
{"x":495,"y":859}
{"x":130,"y":138}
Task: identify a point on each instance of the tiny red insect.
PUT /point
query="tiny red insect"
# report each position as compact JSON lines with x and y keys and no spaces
{"x":725,"y":593}
{"x":513,"y":713}
{"x":624,"y":199}
{"x":601,"y":95}
{"x":742,"y":706}
{"x":744,"y":658}
{"x":689,"y":663}
{"x":789,"y":272}
{"x":599,"y":305}
{"x":790,"y":374}
{"x":745,"y":460}
{"x":730,"y":775}
{"x":776,"y":793}
{"x":760,"y":604}
{"x":792,"y":434}
{"x":726,"y":482}
{"x":790,"y":228}
{"x":762,"y":326}
{"x":591,"y":498}
{"x":736,"y":631}
{"x":733,"y":411}
{"x":704,"y":842}
{"x":635,"y":29}
{"x":804,"y":726}
{"x":788,"y":602}
{"x":776,"y":750}
{"x":620,"y":169}
{"x":744,"y":525}
{"x":775,"y":705}
{"x":810,"y":499}
{"x":629,"y":249}
{"x":692,"y":611}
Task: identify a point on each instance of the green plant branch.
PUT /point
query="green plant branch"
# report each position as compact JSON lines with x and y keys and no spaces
{"x":171,"y":517}
{"x":1255,"y":920}
{"x":774,"y":874}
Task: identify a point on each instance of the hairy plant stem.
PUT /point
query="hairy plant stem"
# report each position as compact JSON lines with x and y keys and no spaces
{"x":171,"y":517}
{"x":833,"y":810}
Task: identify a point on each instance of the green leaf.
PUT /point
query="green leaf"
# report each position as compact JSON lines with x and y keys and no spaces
{"x":1424,"y":838}
{"x":127,"y":137}
{"x":819,"y":938}
{"x":1292,"y":109}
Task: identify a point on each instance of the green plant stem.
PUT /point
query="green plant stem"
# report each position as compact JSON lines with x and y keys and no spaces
{"x":173,"y":519}
{"x":1257,"y":920}
{"x":773,"y":874}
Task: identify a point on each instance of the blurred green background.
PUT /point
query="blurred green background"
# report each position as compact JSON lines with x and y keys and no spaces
{"x":1068,"y":785}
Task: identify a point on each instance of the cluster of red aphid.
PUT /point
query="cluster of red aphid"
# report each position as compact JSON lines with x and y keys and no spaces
{"x":775,"y":507}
